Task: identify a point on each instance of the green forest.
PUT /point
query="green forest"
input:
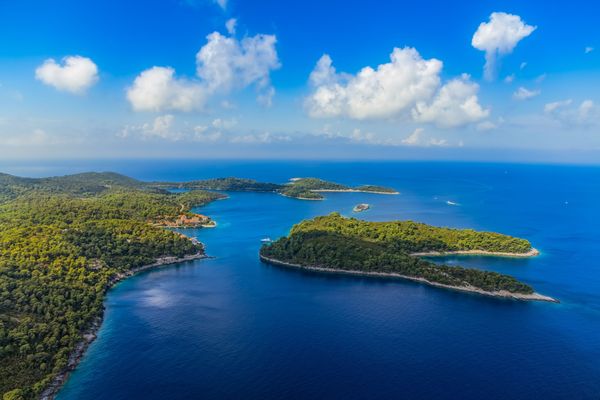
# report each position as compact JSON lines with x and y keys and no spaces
{"x":335,"y":242}
{"x":302,"y":188}
{"x":63,"y":242}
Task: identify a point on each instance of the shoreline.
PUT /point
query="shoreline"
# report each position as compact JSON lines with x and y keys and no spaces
{"x":351,"y":191}
{"x":531,"y":253}
{"x":469,"y":289}
{"x":299,"y":198}
{"x":90,"y":334}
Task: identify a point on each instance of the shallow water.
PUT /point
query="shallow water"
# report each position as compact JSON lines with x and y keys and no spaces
{"x":232,"y":327}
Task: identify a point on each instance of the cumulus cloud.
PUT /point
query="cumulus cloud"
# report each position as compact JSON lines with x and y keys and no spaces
{"x":223,"y":64}
{"x":523,"y":93}
{"x":75,"y":74}
{"x":408,"y":86}
{"x":157,"y":89}
{"x":387,"y":91}
{"x":509,"y":78}
{"x":499,"y":36}
{"x":455,"y":104}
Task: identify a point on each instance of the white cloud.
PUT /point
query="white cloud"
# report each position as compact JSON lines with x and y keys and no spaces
{"x":541,"y":78}
{"x":588,"y":49}
{"x":586,"y":113}
{"x":523,"y":93}
{"x":551,"y":107}
{"x":160,"y":128}
{"x":265,"y":137}
{"x":220,"y":123}
{"x":324,"y":73}
{"x":455,"y":104}
{"x":498,"y":37}
{"x":223,"y":64}
{"x":230,"y":25}
{"x":221,"y":3}
{"x":387,"y":91}
{"x":76,"y":74}
{"x":523,"y":65}
{"x":157,"y":89}
{"x":509,"y":78}
{"x":408,"y":87}
{"x":414,"y":138}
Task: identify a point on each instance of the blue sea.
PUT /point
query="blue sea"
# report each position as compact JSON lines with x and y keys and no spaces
{"x":231,"y":327}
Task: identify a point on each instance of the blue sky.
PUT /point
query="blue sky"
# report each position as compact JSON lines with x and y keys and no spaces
{"x":300,"y":79}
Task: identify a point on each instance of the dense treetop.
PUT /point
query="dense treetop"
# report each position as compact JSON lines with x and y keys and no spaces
{"x":62,"y":243}
{"x":337,"y":243}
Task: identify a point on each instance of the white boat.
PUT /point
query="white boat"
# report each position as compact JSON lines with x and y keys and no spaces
{"x":266,"y":240}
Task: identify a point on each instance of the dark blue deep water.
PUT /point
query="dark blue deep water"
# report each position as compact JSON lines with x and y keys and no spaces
{"x":232,"y":327}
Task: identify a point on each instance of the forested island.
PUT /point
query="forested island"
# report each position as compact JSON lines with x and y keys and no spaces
{"x":63,"y":242}
{"x":389,"y":249}
{"x":299,"y":188}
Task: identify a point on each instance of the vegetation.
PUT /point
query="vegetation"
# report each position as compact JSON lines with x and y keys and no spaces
{"x":308,"y":188}
{"x":63,"y":242}
{"x":337,"y":243}
{"x":375,"y":189}
{"x":94,"y":183}
{"x":225,"y":184}
{"x":413,"y":237}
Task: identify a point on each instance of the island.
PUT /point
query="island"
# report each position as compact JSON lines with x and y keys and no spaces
{"x":298,"y":188}
{"x":361,"y":207}
{"x":335,"y":244}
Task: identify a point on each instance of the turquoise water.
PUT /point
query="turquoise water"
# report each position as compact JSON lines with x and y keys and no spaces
{"x":232,"y":327}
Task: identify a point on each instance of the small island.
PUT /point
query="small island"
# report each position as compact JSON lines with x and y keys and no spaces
{"x":336,"y":244}
{"x":361,"y":207}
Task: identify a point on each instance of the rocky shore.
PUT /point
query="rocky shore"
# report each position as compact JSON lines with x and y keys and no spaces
{"x":499,"y":294}
{"x":90,"y":335}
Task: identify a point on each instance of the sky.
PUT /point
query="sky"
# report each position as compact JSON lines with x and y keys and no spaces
{"x":471,"y":80}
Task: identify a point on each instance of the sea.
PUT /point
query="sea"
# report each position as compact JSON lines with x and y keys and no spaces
{"x":232,"y":327}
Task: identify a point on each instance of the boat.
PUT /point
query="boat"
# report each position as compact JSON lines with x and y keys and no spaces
{"x":361,"y":207}
{"x":266,"y":240}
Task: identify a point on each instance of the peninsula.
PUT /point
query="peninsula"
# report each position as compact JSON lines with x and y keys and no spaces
{"x":63,"y":242}
{"x":336,"y":244}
